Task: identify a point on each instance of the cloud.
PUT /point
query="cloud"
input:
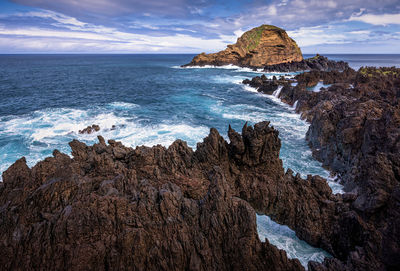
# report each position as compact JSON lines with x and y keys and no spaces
{"x":117,"y":7}
{"x":309,"y":36}
{"x":68,"y":34}
{"x":382,"y":19}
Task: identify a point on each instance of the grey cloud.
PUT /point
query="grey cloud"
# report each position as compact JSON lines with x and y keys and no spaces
{"x":111,"y":8}
{"x":293,"y":14}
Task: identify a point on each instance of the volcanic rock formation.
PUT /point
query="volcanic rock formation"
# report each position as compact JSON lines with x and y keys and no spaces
{"x":355,"y":131}
{"x":316,"y":63}
{"x":258,"y":47}
{"x":113,"y":207}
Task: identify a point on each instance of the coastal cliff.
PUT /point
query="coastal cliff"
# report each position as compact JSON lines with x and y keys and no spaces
{"x":257,"y":48}
{"x":354,"y":131}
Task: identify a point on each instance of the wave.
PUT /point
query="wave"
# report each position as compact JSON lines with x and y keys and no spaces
{"x":318,"y":87}
{"x":35,"y":135}
{"x":295,"y":105}
{"x":228,"y":79}
{"x":240,"y":69}
{"x":277,"y":92}
{"x":123,"y":105}
{"x":249,"y":88}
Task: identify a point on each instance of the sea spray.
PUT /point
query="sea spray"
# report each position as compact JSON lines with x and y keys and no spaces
{"x":277,"y":92}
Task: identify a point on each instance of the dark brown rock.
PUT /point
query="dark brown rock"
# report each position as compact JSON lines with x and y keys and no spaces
{"x":90,"y":129}
{"x":112,"y":207}
{"x":316,"y":63}
{"x":355,"y":132}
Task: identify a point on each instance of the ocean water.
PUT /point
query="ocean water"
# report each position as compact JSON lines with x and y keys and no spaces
{"x":46,"y":99}
{"x":285,"y":238}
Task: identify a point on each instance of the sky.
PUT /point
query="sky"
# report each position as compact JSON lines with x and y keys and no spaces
{"x":182,"y":26}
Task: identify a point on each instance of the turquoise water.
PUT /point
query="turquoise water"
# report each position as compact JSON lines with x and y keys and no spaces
{"x":47,"y":99}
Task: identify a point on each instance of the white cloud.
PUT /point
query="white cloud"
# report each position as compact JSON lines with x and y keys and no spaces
{"x":76,"y":36}
{"x":309,"y":36}
{"x":58,"y":17}
{"x":360,"y":32}
{"x":382,"y":19}
{"x":238,"y":33}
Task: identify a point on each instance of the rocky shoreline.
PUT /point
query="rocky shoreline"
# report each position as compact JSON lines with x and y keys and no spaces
{"x":316,"y":63}
{"x":111,"y":206}
{"x":355,"y":132}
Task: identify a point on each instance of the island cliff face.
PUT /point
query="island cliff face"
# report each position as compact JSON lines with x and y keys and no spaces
{"x":259,"y":47}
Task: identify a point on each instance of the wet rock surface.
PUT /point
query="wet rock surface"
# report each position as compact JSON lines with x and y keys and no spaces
{"x":355,"y":132}
{"x":265,"y":85}
{"x":113,"y":207}
{"x":90,"y":129}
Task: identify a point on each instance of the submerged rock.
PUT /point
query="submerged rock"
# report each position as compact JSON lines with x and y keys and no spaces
{"x":258,"y":47}
{"x":90,"y":129}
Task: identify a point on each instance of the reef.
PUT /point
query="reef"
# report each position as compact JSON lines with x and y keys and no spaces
{"x":256,"y":48}
{"x":355,"y":132}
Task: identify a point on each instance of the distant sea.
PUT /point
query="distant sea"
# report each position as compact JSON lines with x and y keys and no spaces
{"x":46,"y":99}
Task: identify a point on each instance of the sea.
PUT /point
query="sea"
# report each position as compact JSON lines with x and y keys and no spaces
{"x":46,"y":99}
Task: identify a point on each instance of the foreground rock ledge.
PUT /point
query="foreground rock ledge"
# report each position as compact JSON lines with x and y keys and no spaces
{"x":113,"y":207}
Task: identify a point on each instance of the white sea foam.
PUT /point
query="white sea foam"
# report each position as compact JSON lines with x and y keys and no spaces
{"x":318,"y":87}
{"x":123,"y":105}
{"x":45,"y":130}
{"x":228,"y":79}
{"x":241,"y":69}
{"x":225,"y":67}
{"x":284,"y":238}
{"x":249,"y":88}
{"x":295,"y":105}
{"x":277,"y":92}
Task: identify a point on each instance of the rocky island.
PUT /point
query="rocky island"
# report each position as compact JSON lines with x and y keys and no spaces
{"x":256,"y":48}
{"x":267,"y":47}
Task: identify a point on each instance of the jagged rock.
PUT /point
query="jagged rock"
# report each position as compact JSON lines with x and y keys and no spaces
{"x":355,"y":132}
{"x":260,"y":46}
{"x":113,"y":207}
{"x":316,"y":63}
{"x":263,"y":85}
{"x":90,"y":129}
